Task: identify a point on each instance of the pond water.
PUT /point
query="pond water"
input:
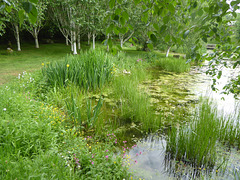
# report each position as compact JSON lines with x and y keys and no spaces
{"x":169,"y":91}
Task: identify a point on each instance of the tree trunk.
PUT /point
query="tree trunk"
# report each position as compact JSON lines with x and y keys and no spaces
{"x":66,"y":40}
{"x":121,"y":40}
{"x":94,"y":40}
{"x":89,"y":38}
{"x":74,"y":41}
{"x":71,"y":40}
{"x":36,"y":38}
{"x":17,"y":38}
{"x":168,"y":51}
{"x":79,"y":41}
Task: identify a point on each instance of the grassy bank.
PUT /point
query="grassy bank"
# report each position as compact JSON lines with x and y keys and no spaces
{"x":46,"y":115}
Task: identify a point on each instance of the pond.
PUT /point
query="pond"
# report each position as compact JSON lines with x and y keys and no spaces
{"x":169,"y":91}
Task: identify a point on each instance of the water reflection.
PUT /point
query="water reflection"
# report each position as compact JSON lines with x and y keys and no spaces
{"x":169,"y":91}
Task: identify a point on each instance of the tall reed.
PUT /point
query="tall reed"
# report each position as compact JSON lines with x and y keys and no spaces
{"x":173,"y":65}
{"x":90,"y":71}
{"x":196,"y":143}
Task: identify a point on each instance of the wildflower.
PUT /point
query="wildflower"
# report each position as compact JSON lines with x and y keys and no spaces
{"x":4,"y":109}
{"x":136,"y":161}
{"x":90,"y":147}
{"x":92,"y":162}
{"x":137,"y":154}
{"x":114,"y":162}
{"x":42,"y":64}
{"x":107,"y":150}
{"x":140,"y":152}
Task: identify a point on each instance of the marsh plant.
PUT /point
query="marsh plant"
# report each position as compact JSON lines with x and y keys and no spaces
{"x":76,"y":112}
{"x":90,"y":71}
{"x":196,"y":143}
{"x":173,"y":64}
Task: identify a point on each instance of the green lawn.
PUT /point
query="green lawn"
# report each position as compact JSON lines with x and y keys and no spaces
{"x":29,"y":59}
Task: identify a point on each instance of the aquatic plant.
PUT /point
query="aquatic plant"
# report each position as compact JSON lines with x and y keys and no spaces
{"x":90,"y":71}
{"x":196,"y":143}
{"x":173,"y":64}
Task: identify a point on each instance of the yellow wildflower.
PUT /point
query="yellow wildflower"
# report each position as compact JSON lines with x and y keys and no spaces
{"x":67,"y":65}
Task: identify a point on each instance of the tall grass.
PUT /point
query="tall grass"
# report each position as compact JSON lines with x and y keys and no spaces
{"x":133,"y":104}
{"x":173,"y":64}
{"x":196,"y":143}
{"x":90,"y":71}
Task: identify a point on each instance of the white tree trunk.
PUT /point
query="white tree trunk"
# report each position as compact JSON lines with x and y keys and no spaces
{"x":168,"y":51}
{"x":94,"y":40}
{"x":79,"y":41}
{"x":71,"y":40}
{"x":66,"y":40}
{"x":89,"y":38}
{"x":17,"y":38}
{"x":36,"y":38}
{"x":74,"y":43}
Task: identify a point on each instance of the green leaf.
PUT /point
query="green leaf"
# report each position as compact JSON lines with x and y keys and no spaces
{"x":166,"y":19}
{"x":219,"y":74}
{"x":119,"y":1}
{"x":150,"y":46}
{"x":153,"y":38}
{"x":33,"y":15}
{"x":122,"y":21}
{"x":8,"y":9}
{"x":136,"y":2}
{"x":27,"y":6}
{"x":167,"y":38}
{"x":21,"y":16}
{"x":155,"y":25}
{"x":111,"y":3}
{"x":125,"y":15}
{"x":204,"y":38}
{"x":200,"y":12}
{"x":171,"y":8}
{"x":109,"y":29}
{"x":118,"y":11}
{"x":186,"y":33}
{"x":116,"y":31}
{"x":34,"y":1}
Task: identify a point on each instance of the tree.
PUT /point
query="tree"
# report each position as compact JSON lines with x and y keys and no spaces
{"x":34,"y":28}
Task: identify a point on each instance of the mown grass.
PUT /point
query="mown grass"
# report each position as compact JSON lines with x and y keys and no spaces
{"x":29,"y":59}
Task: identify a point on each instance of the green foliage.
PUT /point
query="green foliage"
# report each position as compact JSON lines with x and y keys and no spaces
{"x":173,"y":65}
{"x":90,"y":71}
{"x":196,"y":143}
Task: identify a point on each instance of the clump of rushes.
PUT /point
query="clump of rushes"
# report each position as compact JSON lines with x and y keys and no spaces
{"x":196,"y":144}
{"x":90,"y":71}
{"x":173,"y":64}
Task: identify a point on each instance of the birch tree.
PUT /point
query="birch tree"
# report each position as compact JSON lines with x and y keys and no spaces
{"x":13,"y":18}
{"x":34,"y":28}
